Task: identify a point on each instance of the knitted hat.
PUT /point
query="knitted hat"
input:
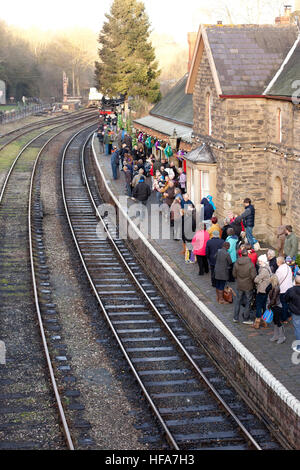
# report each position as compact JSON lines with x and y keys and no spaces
{"x":263,"y":258}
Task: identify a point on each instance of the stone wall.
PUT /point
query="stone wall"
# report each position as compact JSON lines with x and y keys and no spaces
{"x":204,"y":84}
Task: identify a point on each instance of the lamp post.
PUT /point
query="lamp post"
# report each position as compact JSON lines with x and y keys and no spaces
{"x":282,"y":207}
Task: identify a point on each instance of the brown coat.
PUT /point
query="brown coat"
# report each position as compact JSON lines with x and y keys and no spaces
{"x":244,"y":271}
{"x":263,"y":279}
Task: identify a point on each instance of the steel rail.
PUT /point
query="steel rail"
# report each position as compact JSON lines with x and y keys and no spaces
{"x":20,"y":153}
{"x":45,"y":121}
{"x":178,"y":342}
{"x":37,"y":304}
{"x":42,"y":331}
{"x":152,"y":404}
{"x":38,"y":125}
{"x":248,"y":436}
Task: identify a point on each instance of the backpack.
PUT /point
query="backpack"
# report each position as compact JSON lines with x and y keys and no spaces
{"x":148,"y":143}
{"x":168,"y":151}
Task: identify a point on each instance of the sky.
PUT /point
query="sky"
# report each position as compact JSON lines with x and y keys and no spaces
{"x":173,"y":17}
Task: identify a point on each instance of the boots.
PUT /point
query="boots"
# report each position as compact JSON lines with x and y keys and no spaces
{"x":282,"y":337}
{"x":263,"y":323}
{"x":220,"y":296}
{"x":275,"y":336}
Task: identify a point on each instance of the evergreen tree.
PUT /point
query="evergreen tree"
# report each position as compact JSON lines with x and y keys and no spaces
{"x":127,"y":59}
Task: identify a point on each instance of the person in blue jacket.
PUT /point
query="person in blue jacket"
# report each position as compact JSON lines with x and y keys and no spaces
{"x":232,"y":239}
{"x":115,"y":159}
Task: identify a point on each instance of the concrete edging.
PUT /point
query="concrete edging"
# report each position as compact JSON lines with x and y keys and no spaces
{"x":263,"y":381}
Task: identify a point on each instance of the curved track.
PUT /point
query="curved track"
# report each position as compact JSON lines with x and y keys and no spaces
{"x":193,"y":403}
{"x":28,"y":417}
{"x":21,"y":131}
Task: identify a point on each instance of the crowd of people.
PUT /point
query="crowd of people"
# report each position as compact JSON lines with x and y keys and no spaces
{"x":228,"y":251}
{"x":265,"y":282}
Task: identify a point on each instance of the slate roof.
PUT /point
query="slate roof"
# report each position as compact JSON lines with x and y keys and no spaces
{"x":289,"y":73}
{"x":176,"y":105}
{"x":203,"y":154}
{"x":166,"y":127}
{"x":247,"y":57}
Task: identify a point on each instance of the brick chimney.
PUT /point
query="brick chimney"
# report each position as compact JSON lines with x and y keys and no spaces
{"x":286,"y":18}
{"x":192,"y":37}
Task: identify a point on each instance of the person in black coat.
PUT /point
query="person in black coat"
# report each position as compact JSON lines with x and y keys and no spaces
{"x":271,"y":255}
{"x":237,"y":227}
{"x":212,"y":247}
{"x":292,"y":298}
{"x":142,"y":191}
{"x":208,"y":209}
{"x":223,"y":263}
{"x":225,"y":228}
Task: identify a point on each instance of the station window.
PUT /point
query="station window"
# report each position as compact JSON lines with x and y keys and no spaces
{"x":208,"y":114}
{"x":204,"y":184}
{"x":279,"y":125}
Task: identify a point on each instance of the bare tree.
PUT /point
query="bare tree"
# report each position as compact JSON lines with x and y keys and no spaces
{"x":237,"y":12}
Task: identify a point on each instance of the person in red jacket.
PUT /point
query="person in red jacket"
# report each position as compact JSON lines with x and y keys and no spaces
{"x":251,"y":253}
{"x":199,"y":248}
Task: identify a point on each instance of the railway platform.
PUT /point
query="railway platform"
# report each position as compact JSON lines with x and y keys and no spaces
{"x":275,"y":359}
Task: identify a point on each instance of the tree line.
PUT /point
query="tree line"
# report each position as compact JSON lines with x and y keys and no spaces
{"x":32,"y":63}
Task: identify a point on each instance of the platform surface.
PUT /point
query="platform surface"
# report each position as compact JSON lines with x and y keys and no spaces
{"x":276,"y":358}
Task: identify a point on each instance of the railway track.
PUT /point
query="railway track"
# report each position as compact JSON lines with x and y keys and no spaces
{"x":28,"y":410}
{"x":6,"y":139}
{"x":195,"y":406}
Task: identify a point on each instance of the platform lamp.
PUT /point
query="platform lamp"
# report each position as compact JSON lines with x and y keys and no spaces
{"x":282,"y":207}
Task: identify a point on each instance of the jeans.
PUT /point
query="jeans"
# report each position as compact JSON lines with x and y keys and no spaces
{"x":177,"y":229}
{"x":296,"y":323}
{"x":107,"y":152}
{"x":128,"y":189}
{"x":158,"y":197}
{"x":261,"y":304}
{"x":212,"y":275}
{"x":249,"y":236}
{"x":240,"y":295}
{"x":114,"y":171}
{"x":101,"y":144}
{"x":220,"y":285}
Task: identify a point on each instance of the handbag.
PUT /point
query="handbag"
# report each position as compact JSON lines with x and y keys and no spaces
{"x":228,"y":294}
{"x":268,"y":316}
{"x":190,"y":257}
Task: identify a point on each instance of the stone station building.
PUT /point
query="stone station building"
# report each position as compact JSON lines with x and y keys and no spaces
{"x":243,"y":82}
{"x":237,"y":112}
